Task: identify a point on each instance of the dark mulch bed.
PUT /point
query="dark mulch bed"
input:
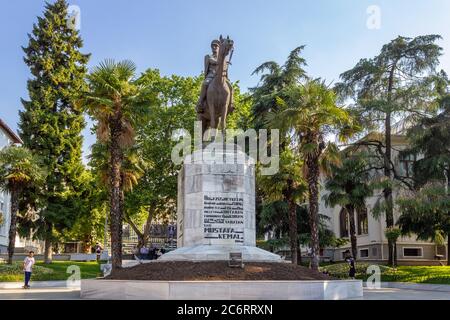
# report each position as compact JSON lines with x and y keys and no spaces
{"x":216,"y":270}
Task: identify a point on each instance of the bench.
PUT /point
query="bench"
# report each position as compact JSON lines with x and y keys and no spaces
{"x":83,"y":257}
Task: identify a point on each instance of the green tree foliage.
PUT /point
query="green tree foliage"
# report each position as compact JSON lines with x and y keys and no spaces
{"x":274,"y":78}
{"x":285,"y":188}
{"x":50,"y":126}
{"x":154,"y":197}
{"x":425,"y":211}
{"x":349,"y":185}
{"x":241,"y":118}
{"x":430,"y":141}
{"x":19,"y":169}
{"x":92,"y":205}
{"x":399,"y":82}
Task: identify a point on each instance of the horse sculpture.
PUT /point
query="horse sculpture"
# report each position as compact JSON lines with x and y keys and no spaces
{"x":218,"y":94}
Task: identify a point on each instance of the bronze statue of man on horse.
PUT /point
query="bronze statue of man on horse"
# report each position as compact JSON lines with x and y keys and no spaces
{"x":216,"y":96}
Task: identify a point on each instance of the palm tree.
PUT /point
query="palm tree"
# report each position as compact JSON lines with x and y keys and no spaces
{"x":310,"y":111}
{"x":19,"y":168}
{"x":117,"y":102}
{"x":349,"y":186}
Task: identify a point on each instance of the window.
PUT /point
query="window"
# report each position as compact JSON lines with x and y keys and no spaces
{"x":364,"y":253}
{"x":363,"y":223}
{"x":343,"y":223}
{"x":412,"y":252}
{"x":407,"y":165}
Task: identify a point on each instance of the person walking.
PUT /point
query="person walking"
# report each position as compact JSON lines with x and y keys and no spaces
{"x":98,"y":250}
{"x":28,"y":268}
{"x":351,"y":263}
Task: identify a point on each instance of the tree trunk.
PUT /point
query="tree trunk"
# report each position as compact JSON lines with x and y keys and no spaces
{"x":138,"y":232}
{"x":147,"y":226}
{"x":313,"y":181}
{"x":353,"y":240}
{"x":48,"y":251}
{"x":387,"y":166}
{"x":145,"y":235}
{"x":312,"y":178}
{"x":293,"y":234}
{"x":13,"y":225}
{"x":299,"y":256}
{"x":115,"y":193}
{"x":292,"y":217}
{"x":394,"y":252}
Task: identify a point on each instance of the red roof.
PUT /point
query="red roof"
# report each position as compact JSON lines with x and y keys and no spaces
{"x":15,"y":138}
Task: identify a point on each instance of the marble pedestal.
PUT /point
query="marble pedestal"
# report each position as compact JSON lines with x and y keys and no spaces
{"x":216,"y":207}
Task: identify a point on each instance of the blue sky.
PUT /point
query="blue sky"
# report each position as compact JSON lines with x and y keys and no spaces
{"x":174,"y":35}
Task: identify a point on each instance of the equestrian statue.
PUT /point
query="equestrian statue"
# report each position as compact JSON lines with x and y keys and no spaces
{"x":216,"y":96}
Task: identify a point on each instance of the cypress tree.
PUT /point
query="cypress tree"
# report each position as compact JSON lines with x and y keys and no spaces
{"x":50,"y":125}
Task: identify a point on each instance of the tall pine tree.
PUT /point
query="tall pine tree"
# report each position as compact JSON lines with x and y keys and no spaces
{"x":50,"y":126}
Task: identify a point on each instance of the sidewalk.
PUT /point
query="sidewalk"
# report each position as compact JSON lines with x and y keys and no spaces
{"x":40,"y":294}
{"x":36,"y":284}
{"x":415,"y":286}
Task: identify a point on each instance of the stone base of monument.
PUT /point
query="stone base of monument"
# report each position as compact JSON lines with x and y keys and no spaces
{"x":218,"y":252}
{"x":220,"y":290}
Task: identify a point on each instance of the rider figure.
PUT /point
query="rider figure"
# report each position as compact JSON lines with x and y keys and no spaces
{"x":211,"y":64}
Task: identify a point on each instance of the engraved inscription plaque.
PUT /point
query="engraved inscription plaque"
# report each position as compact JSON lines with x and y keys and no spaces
{"x":223,"y":219}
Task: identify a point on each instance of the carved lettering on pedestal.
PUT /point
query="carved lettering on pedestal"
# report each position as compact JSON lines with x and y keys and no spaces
{"x":223,"y":219}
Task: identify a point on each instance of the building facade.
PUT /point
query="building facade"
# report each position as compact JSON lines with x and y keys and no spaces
{"x":371,"y":241}
{"x":7,"y":137}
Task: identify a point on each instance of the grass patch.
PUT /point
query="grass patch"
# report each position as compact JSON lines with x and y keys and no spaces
{"x":414,"y":274}
{"x":47,"y":272}
{"x":418,"y":274}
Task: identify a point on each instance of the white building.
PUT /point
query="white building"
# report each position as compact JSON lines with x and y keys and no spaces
{"x":7,"y":138}
{"x":371,"y":241}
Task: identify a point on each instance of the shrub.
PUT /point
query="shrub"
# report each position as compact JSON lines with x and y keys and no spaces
{"x":17,"y":268}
